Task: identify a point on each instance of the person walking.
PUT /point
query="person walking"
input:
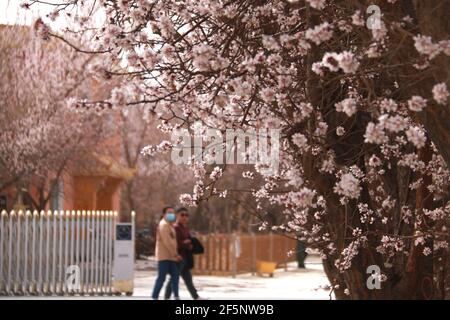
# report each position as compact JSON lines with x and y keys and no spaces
{"x":166,"y":253}
{"x":185,"y":248}
{"x":301,"y":254}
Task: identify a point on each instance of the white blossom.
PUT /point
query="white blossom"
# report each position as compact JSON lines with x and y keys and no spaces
{"x":358,"y":18}
{"x":348,"y":186}
{"x":317,"y":4}
{"x":425,"y":46}
{"x":340,"y":131}
{"x":320,"y":33}
{"x":440,"y":93}
{"x":348,"y":62}
{"x":268,"y":94}
{"x":348,"y":106}
{"x":416,"y":136}
{"x":216,"y":174}
{"x":417,"y":103}
{"x":375,"y":134}
{"x":300,"y":141}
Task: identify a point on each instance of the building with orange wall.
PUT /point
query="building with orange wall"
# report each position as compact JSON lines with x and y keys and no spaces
{"x":91,"y":183}
{"x":95,"y":182}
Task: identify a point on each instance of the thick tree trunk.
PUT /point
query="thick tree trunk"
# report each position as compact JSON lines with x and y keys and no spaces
{"x":432,"y":19}
{"x":412,"y":279}
{"x":355,"y":280}
{"x":412,"y":276}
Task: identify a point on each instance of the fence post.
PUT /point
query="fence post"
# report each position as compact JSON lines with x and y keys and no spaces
{"x":25,"y":254}
{"x":47,"y":252}
{"x":82,"y":257}
{"x":66,"y":250}
{"x":104,"y":251}
{"x":55,"y":216}
{"x":220,"y":253}
{"x":60,"y":253}
{"x":108,"y":257}
{"x":107,"y":243}
{"x":286,"y":248}
{"x":271,"y":246}
{"x":17,"y":238}
{"x":33,"y":253}
{"x":208,"y":268}
{"x":227,"y":254}
{"x":40,"y":252}
{"x":72,"y":241}
{"x":2,"y":237}
{"x":101,"y":251}
{"x":92,"y":258}
{"x":77,"y":242}
{"x":10,"y":253}
{"x":111,"y":252}
{"x":253,"y":237}
{"x":36,"y":249}
{"x":233,"y":255}
{"x":97,"y":249}
{"x":133,"y":230}
{"x":88,"y":253}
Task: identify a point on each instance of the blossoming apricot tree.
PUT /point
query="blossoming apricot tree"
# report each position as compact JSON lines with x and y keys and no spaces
{"x":39,"y":137}
{"x":364,"y":114}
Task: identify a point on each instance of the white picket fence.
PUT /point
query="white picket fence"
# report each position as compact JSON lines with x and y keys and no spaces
{"x":40,"y":250}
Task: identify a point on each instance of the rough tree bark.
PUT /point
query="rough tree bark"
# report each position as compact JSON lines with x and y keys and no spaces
{"x":432,"y":19}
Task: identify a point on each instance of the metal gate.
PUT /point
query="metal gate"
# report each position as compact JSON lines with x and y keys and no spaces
{"x":56,"y":253}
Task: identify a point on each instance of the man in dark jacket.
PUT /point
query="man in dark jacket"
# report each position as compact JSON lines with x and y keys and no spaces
{"x":185,"y":251}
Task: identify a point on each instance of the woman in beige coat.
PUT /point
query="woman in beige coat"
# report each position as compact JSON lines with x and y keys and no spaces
{"x":166,"y":253}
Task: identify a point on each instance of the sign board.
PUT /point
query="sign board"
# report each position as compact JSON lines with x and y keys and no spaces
{"x":123,"y":269}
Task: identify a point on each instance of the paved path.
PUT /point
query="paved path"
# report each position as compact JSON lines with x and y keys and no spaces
{"x":291,"y":284}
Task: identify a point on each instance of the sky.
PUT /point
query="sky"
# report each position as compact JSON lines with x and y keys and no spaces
{"x":11,"y":13}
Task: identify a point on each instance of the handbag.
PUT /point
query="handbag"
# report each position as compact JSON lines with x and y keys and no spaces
{"x":197,"y":247}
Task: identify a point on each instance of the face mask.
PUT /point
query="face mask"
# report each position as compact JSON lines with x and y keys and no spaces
{"x":171,"y":217}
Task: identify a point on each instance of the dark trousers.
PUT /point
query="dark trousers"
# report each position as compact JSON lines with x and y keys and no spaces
{"x":186,"y":274}
{"x":301,"y":254}
{"x":166,"y":267}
